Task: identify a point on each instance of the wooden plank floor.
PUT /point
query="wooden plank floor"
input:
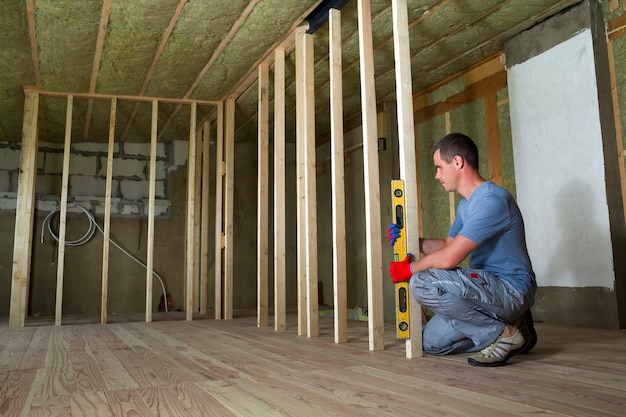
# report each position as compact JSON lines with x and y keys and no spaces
{"x":206,"y":367}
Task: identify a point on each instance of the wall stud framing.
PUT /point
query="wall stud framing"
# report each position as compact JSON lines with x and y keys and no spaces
{"x":300,"y":184}
{"x":191,"y":197}
{"x":338,"y":185}
{"x":151,"y":199}
{"x":63,"y":214}
{"x":197,"y":234}
{"x":219,"y":211}
{"x":204,"y":243}
{"x":373,"y":230}
{"x":307,"y":209}
{"x":107,"y":214}
{"x":263,"y":197}
{"x":229,"y":193}
{"x":408,"y":159}
{"x":280,"y":255}
{"x":24,"y":212}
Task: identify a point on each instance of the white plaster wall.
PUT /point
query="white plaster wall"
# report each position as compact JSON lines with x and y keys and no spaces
{"x":559,"y":166}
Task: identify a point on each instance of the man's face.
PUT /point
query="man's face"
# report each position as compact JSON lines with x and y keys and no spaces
{"x":446,"y":172}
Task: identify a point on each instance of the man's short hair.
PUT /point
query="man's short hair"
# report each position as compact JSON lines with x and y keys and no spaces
{"x":457,"y":144}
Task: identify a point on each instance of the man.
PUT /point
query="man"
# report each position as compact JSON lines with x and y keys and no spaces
{"x":485,"y":308}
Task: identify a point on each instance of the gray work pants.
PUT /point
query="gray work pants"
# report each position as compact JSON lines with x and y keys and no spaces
{"x":471,"y":308}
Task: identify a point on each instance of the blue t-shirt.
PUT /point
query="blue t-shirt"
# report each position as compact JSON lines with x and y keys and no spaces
{"x":492,"y":219}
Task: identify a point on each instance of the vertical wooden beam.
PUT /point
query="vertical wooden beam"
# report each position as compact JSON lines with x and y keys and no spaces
{"x":219,"y":210}
{"x":107,"y":215}
{"x":408,"y":160}
{"x":280,"y":254}
{"x":63,"y":214}
{"x":197,"y":236}
{"x":451,"y":196}
{"x":337,"y":172}
{"x":229,"y":159}
{"x":24,"y":212}
{"x":618,"y":122}
{"x":191,"y":205}
{"x":151,"y":199}
{"x":373,"y":232}
{"x":307,"y":223}
{"x":494,"y":158}
{"x":204,"y":243}
{"x":263,"y":197}
{"x":300,"y":187}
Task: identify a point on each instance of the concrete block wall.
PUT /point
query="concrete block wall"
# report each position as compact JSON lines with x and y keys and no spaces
{"x":87,"y":176}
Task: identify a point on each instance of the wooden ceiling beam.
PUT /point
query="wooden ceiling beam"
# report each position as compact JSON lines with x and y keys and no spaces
{"x":155,"y":61}
{"x":220,"y":48}
{"x":97,"y":59}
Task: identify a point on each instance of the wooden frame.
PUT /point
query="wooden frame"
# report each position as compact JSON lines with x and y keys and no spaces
{"x":263,"y":198}
{"x":280,"y":256}
{"x":373,"y":230}
{"x":25,"y":212}
{"x":107,"y":215}
{"x":300,"y":187}
{"x":337,"y":173}
{"x":307,"y":208}
{"x":63,"y":214}
{"x":408,"y":159}
{"x":219,"y":211}
{"x":191,"y":229}
{"x":151,"y":200}
{"x":229,"y":191}
{"x":204,"y":243}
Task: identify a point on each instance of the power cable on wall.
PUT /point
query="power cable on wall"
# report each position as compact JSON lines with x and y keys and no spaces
{"x":93,"y":226}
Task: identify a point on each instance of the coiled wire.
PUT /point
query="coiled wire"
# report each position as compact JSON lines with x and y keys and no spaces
{"x":93,"y":225}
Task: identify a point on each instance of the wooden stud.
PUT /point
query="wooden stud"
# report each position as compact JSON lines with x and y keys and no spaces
{"x":24,"y":212}
{"x":191,"y":197}
{"x":408,"y":160}
{"x":373,"y":230}
{"x":263,"y":197}
{"x":451,"y":196}
{"x":151,"y":200}
{"x":280,"y":254}
{"x":219,"y":210}
{"x":197,"y":235}
{"x":618,"y":123}
{"x":300,"y":187}
{"x":107,"y":214}
{"x":229,"y":159}
{"x":494,"y":158}
{"x":204,"y":243}
{"x":337,"y":173}
{"x":310,"y":185}
{"x":63,"y":213}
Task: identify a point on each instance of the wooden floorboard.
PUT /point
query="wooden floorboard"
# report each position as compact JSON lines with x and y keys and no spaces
{"x":205,"y":367}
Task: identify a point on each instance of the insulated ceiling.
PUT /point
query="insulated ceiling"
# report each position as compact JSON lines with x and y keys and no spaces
{"x":209,"y":49}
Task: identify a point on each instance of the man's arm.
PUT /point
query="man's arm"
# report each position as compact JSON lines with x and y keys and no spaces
{"x":446,"y":255}
{"x":430,"y":245}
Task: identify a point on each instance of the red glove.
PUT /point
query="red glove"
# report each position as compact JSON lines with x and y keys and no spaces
{"x":401,"y":271}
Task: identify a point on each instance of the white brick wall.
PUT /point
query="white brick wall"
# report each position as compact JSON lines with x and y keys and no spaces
{"x":87,"y":175}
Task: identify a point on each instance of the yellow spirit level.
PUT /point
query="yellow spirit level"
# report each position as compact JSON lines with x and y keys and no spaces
{"x":399,"y":253}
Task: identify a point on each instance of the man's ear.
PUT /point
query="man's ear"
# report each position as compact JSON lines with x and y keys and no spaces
{"x":458,"y":161}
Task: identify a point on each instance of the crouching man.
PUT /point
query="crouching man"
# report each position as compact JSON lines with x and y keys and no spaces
{"x":486,"y":308}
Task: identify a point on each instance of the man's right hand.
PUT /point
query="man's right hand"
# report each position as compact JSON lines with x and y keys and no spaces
{"x":401,"y":271}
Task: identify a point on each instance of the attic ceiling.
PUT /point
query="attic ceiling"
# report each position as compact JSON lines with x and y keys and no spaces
{"x":208,"y":49}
